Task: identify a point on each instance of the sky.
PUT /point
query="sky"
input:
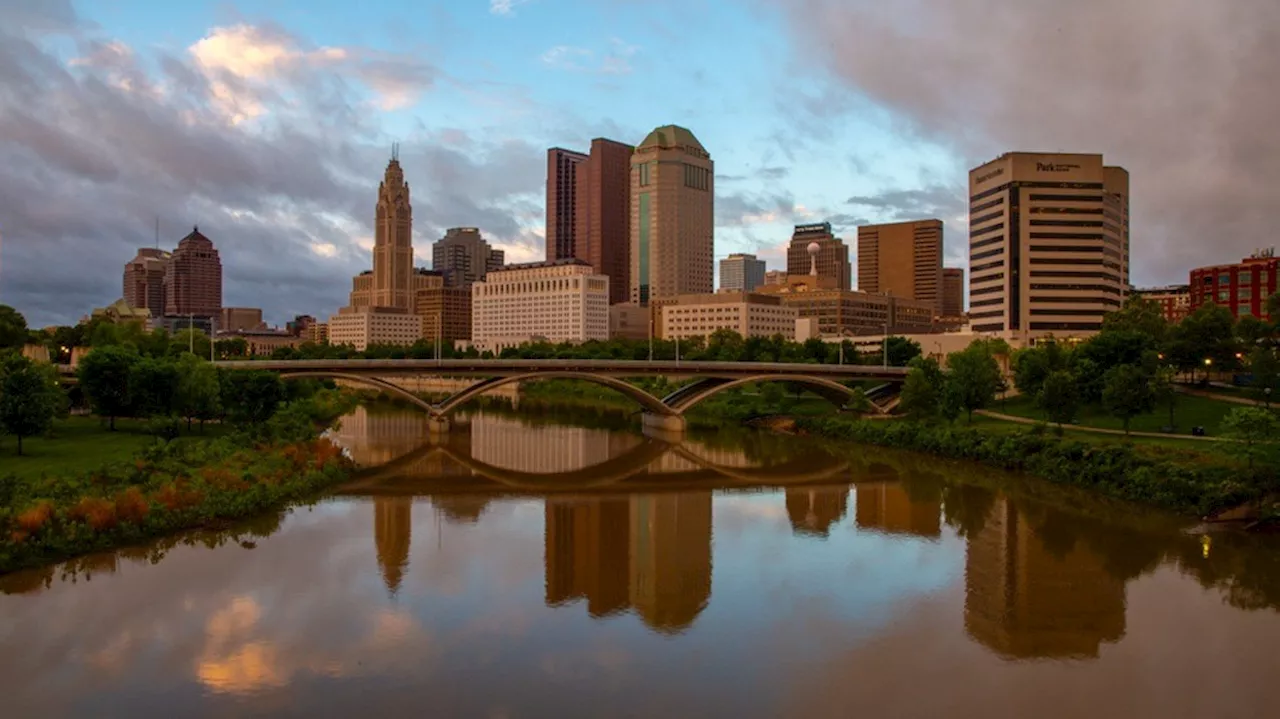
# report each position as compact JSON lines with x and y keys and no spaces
{"x":268,"y":124}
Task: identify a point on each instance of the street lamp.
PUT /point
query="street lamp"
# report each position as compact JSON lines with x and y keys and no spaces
{"x":885,"y":343}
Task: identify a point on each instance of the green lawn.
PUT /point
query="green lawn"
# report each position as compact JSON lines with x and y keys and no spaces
{"x":1191,"y":411}
{"x":994,"y":425}
{"x":79,"y":444}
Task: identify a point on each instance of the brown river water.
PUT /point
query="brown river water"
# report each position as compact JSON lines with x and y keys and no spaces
{"x":563,"y":565}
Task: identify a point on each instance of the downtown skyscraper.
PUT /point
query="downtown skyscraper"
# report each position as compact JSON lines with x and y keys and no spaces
{"x":588,"y":210}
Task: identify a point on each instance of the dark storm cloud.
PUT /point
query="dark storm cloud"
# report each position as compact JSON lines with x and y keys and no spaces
{"x":937,"y":201}
{"x":93,"y":150}
{"x":1180,"y":92}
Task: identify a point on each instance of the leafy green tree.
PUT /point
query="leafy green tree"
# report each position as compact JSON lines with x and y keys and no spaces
{"x":188,"y":340}
{"x":1033,"y":365}
{"x":153,"y":387}
{"x":974,"y":377}
{"x":29,"y":398}
{"x":1250,"y":331}
{"x":1273,"y":307}
{"x":1127,"y":393}
{"x":1058,"y":397}
{"x":199,"y":395}
{"x":105,"y":375}
{"x":1164,"y":385}
{"x":13,"y":327}
{"x":239,"y":347}
{"x":902,"y":351}
{"x":1254,"y":430}
{"x":922,"y":390}
{"x":251,"y":396}
{"x":1207,"y":333}
{"x":1138,"y":315}
{"x":1265,"y":367}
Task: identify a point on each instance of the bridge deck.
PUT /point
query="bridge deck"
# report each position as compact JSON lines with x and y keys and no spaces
{"x":615,"y":368}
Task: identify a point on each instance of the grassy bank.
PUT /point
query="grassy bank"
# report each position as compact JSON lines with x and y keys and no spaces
{"x":1183,"y":481}
{"x":80,"y":444}
{"x":1190,"y":411}
{"x":164,"y":487}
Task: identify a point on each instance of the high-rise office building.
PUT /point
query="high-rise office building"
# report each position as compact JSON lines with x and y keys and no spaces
{"x":562,"y":203}
{"x":833,"y":254}
{"x":952,"y":291}
{"x":1048,"y":244}
{"x":561,"y":301}
{"x":741,"y":272}
{"x":602,"y":221}
{"x":464,"y":256}
{"x":902,"y":259}
{"x":445,"y":311}
{"x":672,"y":217}
{"x":392,"y":281}
{"x":193,"y":278}
{"x":144,"y":280}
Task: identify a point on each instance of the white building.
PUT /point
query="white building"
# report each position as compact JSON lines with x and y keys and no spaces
{"x":558,"y":301}
{"x":748,"y":314}
{"x":360,"y":327}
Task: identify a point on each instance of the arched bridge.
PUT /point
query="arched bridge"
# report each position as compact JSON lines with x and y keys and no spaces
{"x":666,"y":413}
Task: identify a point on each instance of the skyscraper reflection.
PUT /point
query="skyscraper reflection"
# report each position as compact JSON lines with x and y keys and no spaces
{"x":813,"y":511}
{"x":460,"y":509}
{"x":1022,"y":600}
{"x":651,"y":553}
{"x":392,"y":527}
{"x":886,"y":507}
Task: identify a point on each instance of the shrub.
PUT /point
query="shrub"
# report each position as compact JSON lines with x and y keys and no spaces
{"x":33,"y":519}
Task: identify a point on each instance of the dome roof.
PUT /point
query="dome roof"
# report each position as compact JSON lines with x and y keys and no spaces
{"x":670,"y":136}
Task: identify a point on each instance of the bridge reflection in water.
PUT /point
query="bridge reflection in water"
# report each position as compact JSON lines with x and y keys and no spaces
{"x":628,"y":522}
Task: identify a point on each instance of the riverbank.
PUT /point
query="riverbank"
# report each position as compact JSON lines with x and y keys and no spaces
{"x":173,"y":486}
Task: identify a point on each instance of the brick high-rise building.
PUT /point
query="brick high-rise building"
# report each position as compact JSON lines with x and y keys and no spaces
{"x":833,"y":254}
{"x":193,"y":278}
{"x":672,"y":217}
{"x":952,"y":291}
{"x":445,"y":311}
{"x":1174,"y":300}
{"x":903,"y":259}
{"x":144,"y":280}
{"x":1048,"y":244}
{"x":562,"y":203}
{"x":464,"y":256}
{"x":602,"y":216}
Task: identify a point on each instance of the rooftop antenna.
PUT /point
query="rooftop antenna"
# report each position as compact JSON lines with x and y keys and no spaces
{"x":157,"y":232}
{"x":395,"y":151}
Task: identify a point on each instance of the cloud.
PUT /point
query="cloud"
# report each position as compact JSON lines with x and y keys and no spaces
{"x":615,"y":61}
{"x":936,"y":201}
{"x":1180,"y":92}
{"x":111,"y":142}
{"x":505,"y":7}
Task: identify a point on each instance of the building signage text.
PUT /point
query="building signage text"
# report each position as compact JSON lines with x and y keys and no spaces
{"x":994,"y":173}
{"x":1055,"y":167}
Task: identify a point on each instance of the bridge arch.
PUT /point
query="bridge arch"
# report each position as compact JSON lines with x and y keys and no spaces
{"x":686,"y":398}
{"x":646,"y":400}
{"x":367,"y":381}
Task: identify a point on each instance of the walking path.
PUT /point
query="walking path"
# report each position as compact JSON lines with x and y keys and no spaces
{"x":1220,"y":397}
{"x":1099,"y":430}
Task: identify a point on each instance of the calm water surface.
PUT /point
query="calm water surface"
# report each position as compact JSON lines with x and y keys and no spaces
{"x":535,"y":566}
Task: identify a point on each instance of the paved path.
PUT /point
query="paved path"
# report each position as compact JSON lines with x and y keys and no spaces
{"x":1220,"y":397}
{"x":1098,"y":430}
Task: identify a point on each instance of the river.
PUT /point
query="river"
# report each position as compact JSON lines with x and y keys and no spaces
{"x":559,"y":564}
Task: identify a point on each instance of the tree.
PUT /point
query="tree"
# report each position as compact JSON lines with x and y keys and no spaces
{"x":1273,"y":307}
{"x":105,"y":375}
{"x":13,"y":327}
{"x":922,"y":390}
{"x":29,"y":398}
{"x":1250,"y":330}
{"x":1127,"y":393}
{"x":1165,"y":387}
{"x":974,"y":377}
{"x":1033,"y":365}
{"x":1058,"y":397}
{"x":1207,"y":333}
{"x":188,"y":340}
{"x":251,"y":396}
{"x":1265,"y":368}
{"x":153,"y":387}
{"x":1137,"y":315}
{"x":902,"y":351}
{"x":198,"y":390}
{"x":1253,"y":429}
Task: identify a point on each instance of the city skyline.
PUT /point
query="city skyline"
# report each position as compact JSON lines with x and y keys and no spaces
{"x":227,"y":120}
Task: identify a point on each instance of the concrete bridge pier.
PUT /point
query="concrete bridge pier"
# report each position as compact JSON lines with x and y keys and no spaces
{"x":667,"y":427}
{"x":437,"y":425}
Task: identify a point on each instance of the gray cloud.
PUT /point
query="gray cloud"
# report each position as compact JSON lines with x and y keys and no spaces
{"x":937,"y":201}
{"x":1180,"y":92}
{"x":92,"y":152}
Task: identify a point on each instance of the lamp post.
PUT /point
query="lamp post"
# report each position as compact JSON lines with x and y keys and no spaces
{"x":191,"y":333}
{"x":884,"y":342}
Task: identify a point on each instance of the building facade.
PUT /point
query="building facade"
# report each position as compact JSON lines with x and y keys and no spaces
{"x":775,"y":277}
{"x":741,"y":273}
{"x":841,"y":312}
{"x":445,"y":310}
{"x":193,"y":278}
{"x":463,"y":256}
{"x":952,"y":292}
{"x":602,"y":225}
{"x":234,"y":319}
{"x":560,"y":301}
{"x":144,"y":280}
{"x":833,"y":254}
{"x":902,"y":259}
{"x":393,"y":242}
{"x":1174,"y":300}
{"x":672,"y":217}
{"x":1242,"y":287}
{"x":364,"y":326}
{"x":562,"y":203}
{"x":1048,"y":244}
{"x":748,"y":314}
{"x":261,"y":342}
{"x":629,"y":321}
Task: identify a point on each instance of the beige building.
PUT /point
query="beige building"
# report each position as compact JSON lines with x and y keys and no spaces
{"x":903,"y":259}
{"x":832,"y":254}
{"x":952,"y":292}
{"x":392,"y":281}
{"x":318,"y":333}
{"x":672,"y":217}
{"x":261,"y":341}
{"x":1048,"y":244}
{"x":235,"y":319}
{"x":360,"y":327}
{"x":560,"y":301}
{"x":629,"y":321}
{"x":445,"y":310}
{"x":741,"y":273}
{"x":775,"y":277}
{"x":748,"y":314}
{"x":848,"y":313}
